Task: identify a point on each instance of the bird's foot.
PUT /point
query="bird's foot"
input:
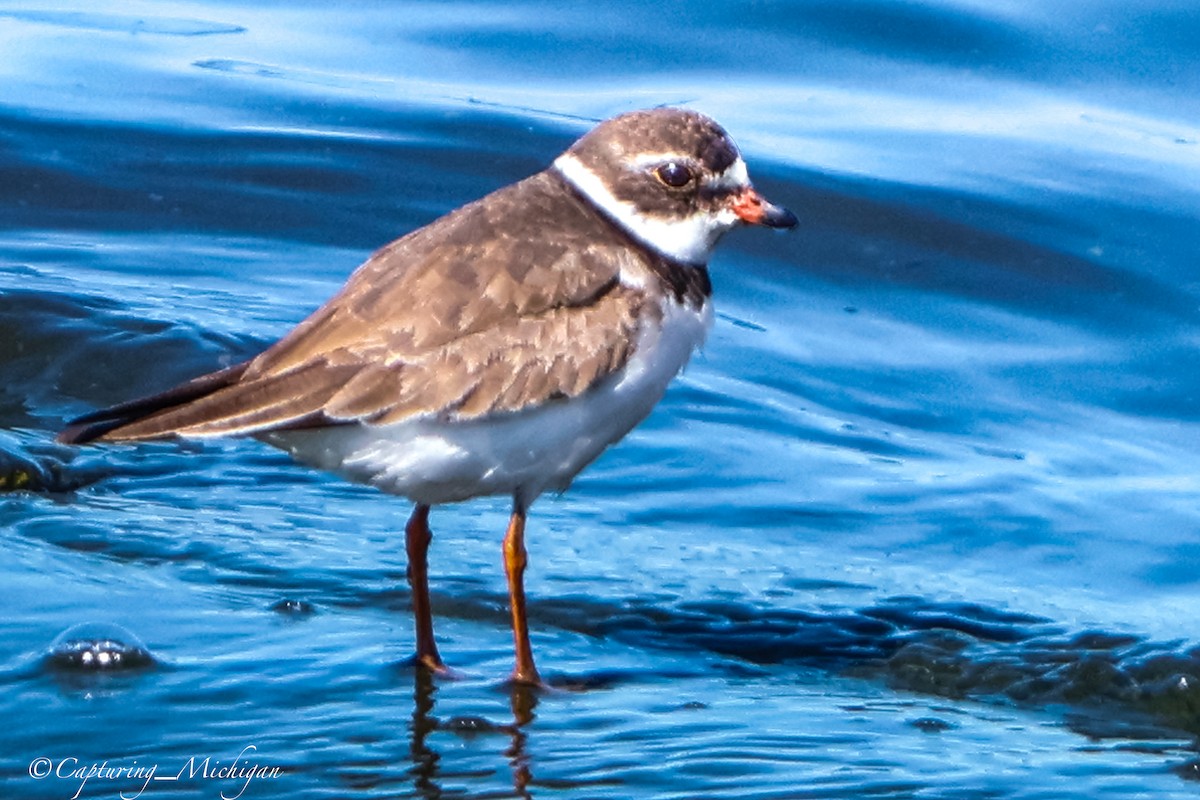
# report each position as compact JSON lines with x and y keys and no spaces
{"x":433,"y":664}
{"x":529,"y":679}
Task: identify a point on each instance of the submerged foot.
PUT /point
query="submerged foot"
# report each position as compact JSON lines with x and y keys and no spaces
{"x":529,"y":680}
{"x":433,"y":665}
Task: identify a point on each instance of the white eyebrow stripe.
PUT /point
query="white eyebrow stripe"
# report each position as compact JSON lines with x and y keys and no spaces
{"x":654,"y":159}
{"x":735,"y":176}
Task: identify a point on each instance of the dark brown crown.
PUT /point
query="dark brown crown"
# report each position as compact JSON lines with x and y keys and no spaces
{"x":612,"y":151}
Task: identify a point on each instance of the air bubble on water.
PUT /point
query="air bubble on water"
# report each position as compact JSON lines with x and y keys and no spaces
{"x":932,"y":725}
{"x":471,"y":726}
{"x":294,"y":608}
{"x":98,"y":647}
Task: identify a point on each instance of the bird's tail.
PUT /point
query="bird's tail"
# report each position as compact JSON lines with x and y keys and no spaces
{"x":108,"y":423}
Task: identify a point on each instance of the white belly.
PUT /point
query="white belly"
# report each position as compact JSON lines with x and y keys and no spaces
{"x":521,"y":454}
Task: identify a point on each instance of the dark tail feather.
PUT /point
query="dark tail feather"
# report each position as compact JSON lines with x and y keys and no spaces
{"x":93,"y":426}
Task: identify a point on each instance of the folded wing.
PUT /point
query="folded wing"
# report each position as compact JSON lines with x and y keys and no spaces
{"x":464,"y":318}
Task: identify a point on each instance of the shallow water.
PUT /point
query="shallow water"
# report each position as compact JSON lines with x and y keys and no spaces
{"x":921,"y":521}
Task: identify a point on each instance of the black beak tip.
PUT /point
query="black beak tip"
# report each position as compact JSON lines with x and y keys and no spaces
{"x":781,"y":218}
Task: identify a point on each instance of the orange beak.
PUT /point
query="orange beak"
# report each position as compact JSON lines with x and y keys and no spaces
{"x":752,"y":209}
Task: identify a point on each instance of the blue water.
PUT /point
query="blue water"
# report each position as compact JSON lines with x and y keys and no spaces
{"x":920,"y":522}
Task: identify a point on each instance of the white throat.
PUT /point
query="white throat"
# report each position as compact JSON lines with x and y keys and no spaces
{"x":690,"y":240}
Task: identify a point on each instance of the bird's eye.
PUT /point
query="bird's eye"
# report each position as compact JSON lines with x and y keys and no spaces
{"x":674,"y":174}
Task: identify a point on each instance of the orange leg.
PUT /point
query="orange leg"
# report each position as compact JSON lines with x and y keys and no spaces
{"x":514,"y":568}
{"x":416,"y":541}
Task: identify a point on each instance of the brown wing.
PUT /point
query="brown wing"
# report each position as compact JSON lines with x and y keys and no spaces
{"x":498,"y":306}
{"x":524,"y":250}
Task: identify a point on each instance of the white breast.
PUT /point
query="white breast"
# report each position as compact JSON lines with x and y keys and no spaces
{"x":522,"y":454}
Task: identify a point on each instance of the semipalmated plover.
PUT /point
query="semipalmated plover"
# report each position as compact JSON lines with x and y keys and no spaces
{"x":499,"y":349}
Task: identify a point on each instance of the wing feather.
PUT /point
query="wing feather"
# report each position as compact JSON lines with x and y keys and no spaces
{"x":489,"y":310}
{"x":281,"y":401}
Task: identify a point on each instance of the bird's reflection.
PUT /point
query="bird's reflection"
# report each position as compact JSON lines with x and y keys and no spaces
{"x":424,"y":758}
{"x":523,"y":700}
{"x":426,"y":761}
